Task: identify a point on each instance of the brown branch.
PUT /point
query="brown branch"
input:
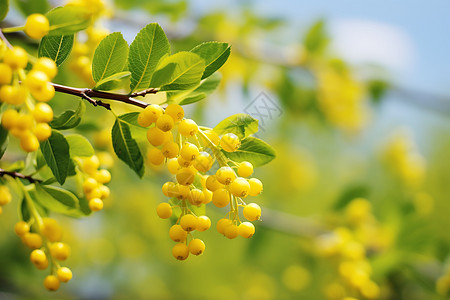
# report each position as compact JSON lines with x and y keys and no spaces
{"x":89,"y":94}
{"x":18,"y":175}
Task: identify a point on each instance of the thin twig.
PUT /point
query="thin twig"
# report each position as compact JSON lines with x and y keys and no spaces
{"x":18,"y":175}
{"x":3,"y":37}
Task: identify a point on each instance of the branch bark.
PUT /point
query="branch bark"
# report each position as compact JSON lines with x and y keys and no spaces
{"x":18,"y":175}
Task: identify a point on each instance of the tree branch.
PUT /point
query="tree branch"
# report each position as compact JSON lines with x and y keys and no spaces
{"x":88,"y":94}
{"x":18,"y":175}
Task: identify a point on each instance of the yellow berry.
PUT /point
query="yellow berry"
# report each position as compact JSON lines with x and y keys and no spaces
{"x":252,"y":212}
{"x":91,"y":164}
{"x":170,"y":149}
{"x":165,"y":123}
{"x":104,"y":192}
{"x":36,"y":26}
{"x":230,"y":142}
{"x":51,"y":283}
{"x":185,"y":176}
{"x":52,"y":230}
{"x":203,"y":223}
{"x":39,"y":259}
{"x":103,"y":176}
{"x":212,"y":136}
{"x":180,"y":251}
{"x":42,"y":131}
{"x":256,"y":186}
{"x":24,"y":122}
{"x":203,"y":162}
{"x":189,"y":151}
{"x":175,"y":111}
{"x":245,"y":169}
{"x":89,"y":184}
{"x":60,"y":251}
{"x":246,"y":230}
{"x":177,"y":233}
{"x":196,"y":197}
{"x":188,"y":128}
{"x":240,"y":187}
{"x":96,"y":204}
{"x":225,"y":175}
{"x":29,"y":142}
{"x":64,"y":274}
{"x":221,"y":224}
{"x":5,"y":74}
{"x":43,"y":113}
{"x":221,"y":197}
{"x":183,"y":163}
{"x":155,"y":156}
{"x":208,"y":196}
{"x":212,"y":183}
{"x":32,"y":240}
{"x":196,"y":246}
{"x":46,"y":65}
{"x":149,"y":115}
{"x":156,"y":136}
{"x":167,"y":187}
{"x":7,"y":94}
{"x":173,"y":166}
{"x":179,"y":191}
{"x":164,"y":210}
{"x":21,"y":228}
{"x":5,"y":195}
{"x":16,"y":58}
{"x":36,"y":80}
{"x":45,"y":93}
{"x":9,"y":119}
{"x":189,"y":222}
{"x":231,"y":231}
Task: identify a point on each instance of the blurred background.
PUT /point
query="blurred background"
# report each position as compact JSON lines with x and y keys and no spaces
{"x":353,"y":95}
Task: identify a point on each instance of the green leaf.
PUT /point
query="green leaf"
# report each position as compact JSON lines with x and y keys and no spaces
{"x":25,"y":212}
{"x":110,"y":56}
{"x":138,"y":132}
{"x":215,"y":55}
{"x":316,"y":38}
{"x":206,"y":87}
{"x":28,"y":7}
{"x":149,"y":46}
{"x":241,"y":125}
{"x":3,"y":140}
{"x":79,"y":146}
{"x":126,"y":147}
{"x":4,"y":7}
{"x":68,"y":20}
{"x":185,"y":74}
{"x":69,"y":118}
{"x":58,"y":200}
{"x":350,"y":193}
{"x":115,"y":81}
{"x":57,"y":155}
{"x":56,"y":47}
{"x":253,"y":150}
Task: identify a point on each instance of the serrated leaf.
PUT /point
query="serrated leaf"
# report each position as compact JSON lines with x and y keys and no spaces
{"x":69,"y":118}
{"x":149,"y":46}
{"x":115,"y":81}
{"x":57,"y":155}
{"x":28,"y":7}
{"x":241,"y":125}
{"x":4,"y":7}
{"x":3,"y":140}
{"x":126,"y":147}
{"x":79,"y":146}
{"x":206,"y":87}
{"x":56,"y":47}
{"x":185,"y":72}
{"x":110,"y":56}
{"x":253,"y":150}
{"x":215,"y":55}
{"x":68,"y":20}
{"x":57,"y":199}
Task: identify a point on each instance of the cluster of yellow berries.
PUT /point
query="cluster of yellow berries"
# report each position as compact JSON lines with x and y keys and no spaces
{"x":5,"y":196}
{"x":24,"y":118}
{"x":94,"y":187}
{"x":44,"y":236}
{"x":184,"y":146}
{"x":347,"y":246}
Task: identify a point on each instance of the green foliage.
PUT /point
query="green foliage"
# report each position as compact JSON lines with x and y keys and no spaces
{"x":149,"y":46}
{"x":241,"y":125}
{"x":56,"y":47}
{"x":4,"y":8}
{"x":115,"y":81}
{"x":215,"y":55}
{"x":69,"y":118}
{"x":57,"y":155}
{"x":206,"y":87}
{"x":79,"y":146}
{"x":253,"y":150}
{"x":68,"y":20}
{"x":110,"y":57}
{"x":28,"y":7}
{"x":3,"y":140}
{"x":126,"y":147}
{"x":57,"y":199}
{"x":316,"y":38}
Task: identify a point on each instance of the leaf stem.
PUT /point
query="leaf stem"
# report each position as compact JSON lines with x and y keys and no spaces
{"x":13,"y":29}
